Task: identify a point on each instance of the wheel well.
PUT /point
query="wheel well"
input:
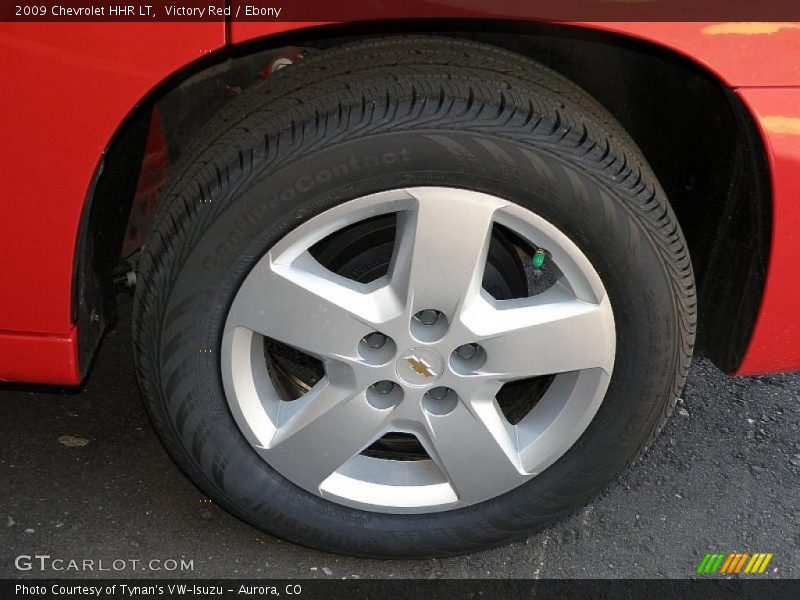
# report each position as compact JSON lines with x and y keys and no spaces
{"x":697,"y":135}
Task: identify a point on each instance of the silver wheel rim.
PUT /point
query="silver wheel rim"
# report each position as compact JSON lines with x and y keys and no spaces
{"x":440,"y":252}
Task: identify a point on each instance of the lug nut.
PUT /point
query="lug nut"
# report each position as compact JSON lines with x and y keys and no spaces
{"x":376,"y":348}
{"x":440,"y":401}
{"x":428,"y":325}
{"x":383,"y":387}
{"x":467,"y":351}
{"x":428,"y":316}
{"x":375,"y":340}
{"x":468,"y":359}
{"x":438,"y":393}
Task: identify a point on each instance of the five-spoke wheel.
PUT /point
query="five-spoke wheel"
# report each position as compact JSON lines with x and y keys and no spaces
{"x":422,"y":351}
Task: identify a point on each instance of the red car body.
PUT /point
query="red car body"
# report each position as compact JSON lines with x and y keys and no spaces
{"x":69,"y":88}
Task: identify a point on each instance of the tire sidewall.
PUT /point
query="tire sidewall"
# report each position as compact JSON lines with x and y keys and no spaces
{"x":231,"y":228}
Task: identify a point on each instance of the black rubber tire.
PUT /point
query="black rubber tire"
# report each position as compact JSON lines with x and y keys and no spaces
{"x":406,"y":111}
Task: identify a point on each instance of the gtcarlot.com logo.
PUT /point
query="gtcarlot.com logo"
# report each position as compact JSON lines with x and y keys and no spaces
{"x":45,"y":562}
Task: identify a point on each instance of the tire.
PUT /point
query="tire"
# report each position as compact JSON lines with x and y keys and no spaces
{"x":408,"y":112}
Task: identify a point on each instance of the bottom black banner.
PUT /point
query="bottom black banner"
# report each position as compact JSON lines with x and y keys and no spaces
{"x":310,"y":589}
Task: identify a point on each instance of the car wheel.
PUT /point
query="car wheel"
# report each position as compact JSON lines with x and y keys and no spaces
{"x":411,"y":297}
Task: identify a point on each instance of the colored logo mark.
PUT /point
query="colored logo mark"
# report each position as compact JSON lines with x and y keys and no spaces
{"x":420,"y":366}
{"x":734,"y":563}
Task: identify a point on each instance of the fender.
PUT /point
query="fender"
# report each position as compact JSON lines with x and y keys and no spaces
{"x":736,"y":53}
{"x":71,"y":88}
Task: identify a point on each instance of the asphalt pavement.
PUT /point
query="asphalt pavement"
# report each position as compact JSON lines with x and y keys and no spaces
{"x":83,"y":477}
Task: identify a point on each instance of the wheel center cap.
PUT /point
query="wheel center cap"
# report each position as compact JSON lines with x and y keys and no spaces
{"x":420,"y":366}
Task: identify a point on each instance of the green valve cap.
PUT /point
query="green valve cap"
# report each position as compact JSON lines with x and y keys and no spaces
{"x":538,"y":258}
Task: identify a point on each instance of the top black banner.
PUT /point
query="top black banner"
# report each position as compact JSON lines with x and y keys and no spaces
{"x":777,"y":12}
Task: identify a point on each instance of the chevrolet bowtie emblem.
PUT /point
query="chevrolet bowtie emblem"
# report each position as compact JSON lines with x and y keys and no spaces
{"x":420,"y":366}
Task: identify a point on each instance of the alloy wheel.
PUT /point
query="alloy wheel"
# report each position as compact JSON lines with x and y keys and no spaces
{"x":422,"y":352}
